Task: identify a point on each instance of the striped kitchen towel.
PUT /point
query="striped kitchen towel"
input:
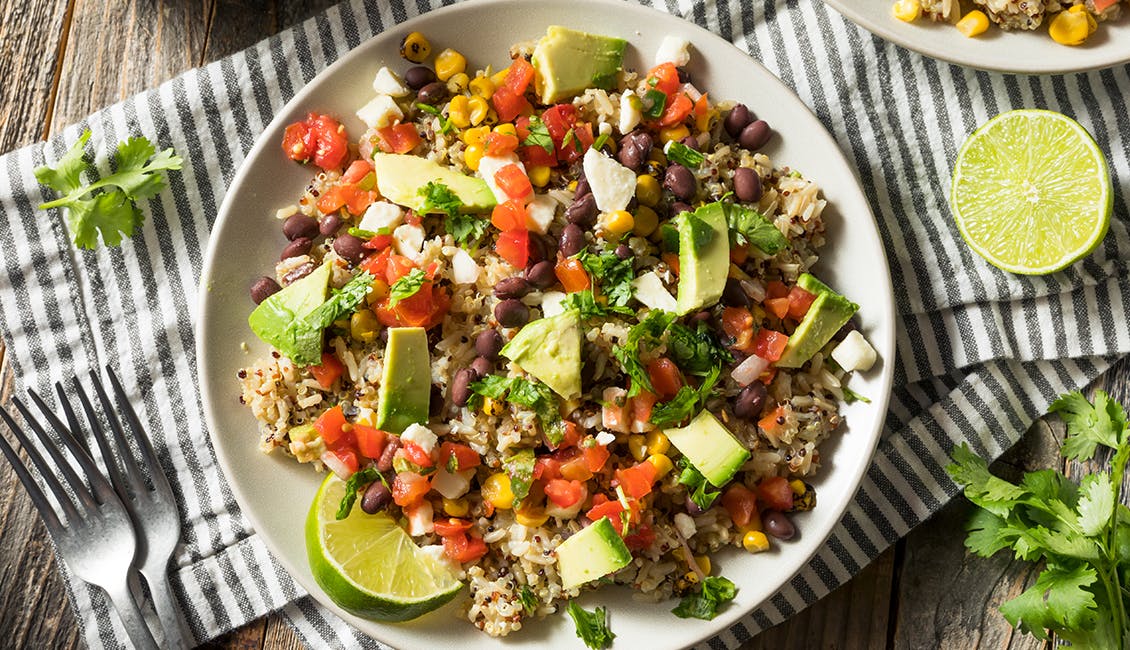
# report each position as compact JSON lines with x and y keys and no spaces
{"x":981,"y":352}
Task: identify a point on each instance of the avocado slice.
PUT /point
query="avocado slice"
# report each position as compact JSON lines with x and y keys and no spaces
{"x":550,"y":349}
{"x":271,"y":320}
{"x":406,"y":384}
{"x":568,"y":61}
{"x":710,"y":447}
{"x":591,"y":553}
{"x":400,"y":177}
{"x":704,"y":257}
{"x":828,"y":313}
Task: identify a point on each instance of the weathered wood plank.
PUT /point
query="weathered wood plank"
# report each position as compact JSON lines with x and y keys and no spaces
{"x":31,"y":36}
{"x":237,"y":24}
{"x":280,"y":636}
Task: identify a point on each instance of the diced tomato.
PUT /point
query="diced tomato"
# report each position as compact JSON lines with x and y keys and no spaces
{"x":737,"y":324}
{"x":558,"y":119}
{"x":571,"y":437}
{"x":330,"y":424}
{"x":739,"y":254}
{"x":611,"y":508}
{"x":398,"y":267}
{"x":664,"y":78}
{"x":665,"y":377}
{"x":576,"y":468}
{"x":510,"y":215}
{"x":348,"y":459}
{"x":772,"y":422}
{"x":377,"y":265}
{"x":448,"y":526}
{"x":409,"y":488}
{"x":769,"y":344}
{"x":740,"y":502}
{"x":642,"y":538}
{"x":522,"y":126}
{"x":779,"y":307}
{"x":398,"y":138}
{"x":500,"y":144}
{"x":547,"y":468}
{"x":677,"y":110}
{"x":596,"y":456}
{"x":776,"y":289}
{"x":518,"y":76}
{"x":563,"y":492}
{"x":335,"y":198}
{"x":465,"y":457}
{"x":514,"y":182}
{"x":702,"y":113}
{"x":672,"y":261}
{"x":417,"y":455}
{"x":572,"y":275}
{"x":298,"y":141}
{"x":514,"y":247}
{"x":360,"y":201}
{"x":357,"y":170}
{"x":425,"y":308}
{"x":799,"y":302}
{"x":464,"y":547}
{"x":509,"y":104}
{"x":370,"y":440}
{"x":320,"y":138}
{"x":328,"y":372}
{"x":577,"y":145}
{"x":378,"y":243}
{"x":641,"y":407}
{"x":637,"y":480}
{"x":775,"y":493}
{"x":1103,"y":5}
{"x":533,"y":155}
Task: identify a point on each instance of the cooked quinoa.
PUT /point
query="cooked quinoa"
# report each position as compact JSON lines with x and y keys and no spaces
{"x":1024,"y":15}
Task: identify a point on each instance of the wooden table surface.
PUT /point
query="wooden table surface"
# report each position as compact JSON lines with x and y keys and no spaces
{"x":63,"y":59}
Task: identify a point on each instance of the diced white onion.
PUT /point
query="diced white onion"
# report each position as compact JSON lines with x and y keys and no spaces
{"x":409,"y":239}
{"x":855,"y":353}
{"x":630,"y":113}
{"x":420,"y":436}
{"x":464,"y":270}
{"x":380,"y":215}
{"x":613,"y":185}
{"x":381,"y":111}
{"x":420,"y":518}
{"x":685,"y":524}
{"x":387,"y":83}
{"x":673,"y":49}
{"x":489,"y":166}
{"x":540,"y":213}
{"x":749,"y":370}
{"x":604,"y":438}
{"x":551,"y":303}
{"x":754,"y":289}
{"x":452,"y":485}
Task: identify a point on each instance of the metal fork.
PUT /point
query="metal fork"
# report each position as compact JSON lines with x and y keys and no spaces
{"x":152,"y":509}
{"x":97,"y":539}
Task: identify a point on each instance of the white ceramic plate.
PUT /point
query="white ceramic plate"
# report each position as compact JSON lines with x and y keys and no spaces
{"x":1032,"y":52}
{"x":275,"y":491}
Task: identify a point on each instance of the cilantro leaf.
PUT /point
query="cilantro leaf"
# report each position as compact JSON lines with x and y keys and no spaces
{"x":988,"y":534}
{"x":1089,"y":426}
{"x":592,"y":627}
{"x":749,"y":225}
{"x":535,"y":396}
{"x":702,"y":493}
{"x":519,"y":466}
{"x":996,"y":495}
{"x":464,"y":228}
{"x":587,"y":306}
{"x":98,"y":209}
{"x":445,"y":125}
{"x":1057,"y":601}
{"x":698,"y":350}
{"x":647,"y":330}
{"x":684,"y":155}
{"x":614,"y":274}
{"x":539,"y":135}
{"x":357,"y":481}
{"x":686,"y":403}
{"x":406,"y":286}
{"x":715,"y":592}
{"x":850,"y":396}
{"x":528,"y":599}
{"x":1096,"y":504}
{"x":306,"y":332}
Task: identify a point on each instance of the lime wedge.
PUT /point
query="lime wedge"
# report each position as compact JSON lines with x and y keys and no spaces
{"x":1031,"y":192}
{"x":368,"y":565}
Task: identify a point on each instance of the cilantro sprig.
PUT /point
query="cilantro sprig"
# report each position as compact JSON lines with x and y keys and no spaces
{"x":1081,"y":533}
{"x":539,"y":135}
{"x":715,"y":592}
{"x":535,"y":396}
{"x":614,"y":275}
{"x":592,"y":627}
{"x":108,"y":206}
{"x":467,"y":229}
{"x":406,"y":286}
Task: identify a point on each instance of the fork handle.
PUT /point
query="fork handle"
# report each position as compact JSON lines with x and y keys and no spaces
{"x":138,"y":631}
{"x":167,"y":612}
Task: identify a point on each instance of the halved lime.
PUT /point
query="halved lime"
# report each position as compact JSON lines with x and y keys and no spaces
{"x":1031,"y":192}
{"x":368,"y":565}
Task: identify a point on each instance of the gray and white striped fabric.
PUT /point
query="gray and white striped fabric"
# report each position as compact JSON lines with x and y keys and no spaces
{"x":981,"y":352}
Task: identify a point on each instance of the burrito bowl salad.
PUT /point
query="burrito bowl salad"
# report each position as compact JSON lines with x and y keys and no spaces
{"x":1069,"y":22}
{"x":550,"y":326}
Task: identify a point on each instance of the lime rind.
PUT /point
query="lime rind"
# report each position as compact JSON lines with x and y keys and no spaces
{"x":1031,"y":192}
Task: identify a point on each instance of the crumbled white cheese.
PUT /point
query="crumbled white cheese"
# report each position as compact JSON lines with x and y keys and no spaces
{"x":409,"y":240}
{"x":540,"y":212}
{"x":604,"y":438}
{"x":551,"y":303}
{"x":420,"y":519}
{"x":685,"y":525}
{"x":631,"y":111}
{"x":420,"y":436}
{"x":650,"y":291}
{"x":452,"y":485}
{"x":673,"y":49}
{"x":381,"y":111}
{"x":387,"y":83}
{"x":464,"y":270}
{"x":381,"y":215}
{"x":854,"y":353}
{"x":489,"y":165}
{"x":613,"y":185}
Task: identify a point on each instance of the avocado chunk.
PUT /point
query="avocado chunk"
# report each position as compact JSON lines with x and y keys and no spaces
{"x":591,"y":553}
{"x":710,"y":448}
{"x":401,"y":176}
{"x":406,"y":384}
{"x":273,"y":320}
{"x":704,"y":256}
{"x":550,"y":349}
{"x":568,"y":61}
{"x":828,"y":313}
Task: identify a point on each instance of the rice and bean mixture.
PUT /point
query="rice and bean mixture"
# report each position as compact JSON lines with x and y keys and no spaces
{"x":475,"y":293}
{"x":1069,"y":22}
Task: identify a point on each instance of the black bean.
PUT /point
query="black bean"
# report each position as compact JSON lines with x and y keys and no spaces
{"x":350,"y":248}
{"x":432,"y":93}
{"x":737,"y":119}
{"x":634,"y":149}
{"x":678,"y":207}
{"x":747,"y":185}
{"x":329,"y":225}
{"x":572,"y":240}
{"x":750,"y":401}
{"x":542,"y":275}
{"x":680,"y":181}
{"x":755,"y":135}
{"x":693,"y":508}
{"x":376,"y":498}
{"x":482,"y":367}
{"x":583,"y":188}
{"x":511,"y":313}
{"x":419,"y":76}
{"x":298,"y":247}
{"x":582,"y":211}
{"x":461,"y":386}
{"x":300,"y":225}
{"x":778,"y":525}
{"x":733,"y":295}
{"x":262,"y":289}
{"x":623,"y":252}
{"x":690,"y":141}
{"x":513,"y":287}
{"x":294,"y":275}
{"x":488,"y":343}
{"x":537,"y":249}
{"x":384,"y":463}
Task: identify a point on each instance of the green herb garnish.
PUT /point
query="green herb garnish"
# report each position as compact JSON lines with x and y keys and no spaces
{"x":654,"y":101}
{"x":715,"y":592}
{"x":519,"y":466}
{"x":355,"y":484}
{"x":535,"y":396}
{"x":702,"y":493}
{"x":684,"y":155}
{"x":587,"y":306}
{"x":445,"y":125}
{"x":600,"y":141}
{"x":539,"y":135}
{"x":614,"y":275}
{"x":529,"y":600}
{"x":592,"y":627}
{"x":851,"y":396}
{"x":686,"y":403}
{"x":698,"y":350}
{"x":749,"y":225}
{"x":464,"y":228}
{"x":406,"y":286}
{"x":647,"y":330}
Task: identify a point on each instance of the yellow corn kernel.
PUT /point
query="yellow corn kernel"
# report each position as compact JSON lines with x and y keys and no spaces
{"x":755,"y":541}
{"x":363,"y":326}
{"x":378,"y":291}
{"x":472,"y":155}
{"x":973,"y":23}
{"x":907,"y":10}
{"x":691,"y":577}
{"x":673,"y":133}
{"x":475,"y":135}
{"x":646,"y":221}
{"x":500,"y":76}
{"x":458,"y":83}
{"x":415,"y":47}
{"x":496,"y":489}
{"x":492,"y":406}
{"x":456,"y":507}
{"x":507,"y":128}
{"x":657,"y":442}
{"x":663,"y":464}
{"x":798,"y":486}
{"x":448,"y":63}
{"x":531,"y":518}
{"x":703,"y":563}
{"x":459,"y":112}
{"x":619,"y":222}
{"x":637,"y":447}
{"x":539,"y":175}
{"x":479,"y":109}
{"x":1072,"y":27}
{"x":754,"y":523}
{"x":648,"y":191}
{"x":482,"y":87}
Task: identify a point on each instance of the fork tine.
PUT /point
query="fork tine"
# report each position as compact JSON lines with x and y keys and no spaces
{"x":64,"y":465}
{"x":38,"y":499}
{"x":156,"y":473}
{"x":98,"y":483}
{"x":129,"y":464}
{"x":72,"y":421}
{"x":100,"y":437}
{"x":48,"y":476}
